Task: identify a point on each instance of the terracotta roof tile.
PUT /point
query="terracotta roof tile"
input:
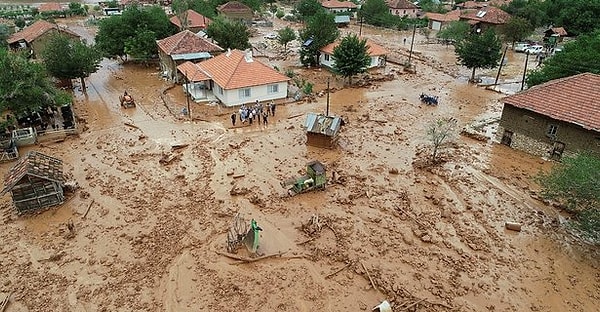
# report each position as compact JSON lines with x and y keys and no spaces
{"x":559,"y":31}
{"x":35,"y":164}
{"x":492,"y":15}
{"x":448,"y":17}
{"x":335,"y":4}
{"x":35,"y":30}
{"x":195,"y":20}
{"x":234,"y":7}
{"x":193,"y":72}
{"x":574,"y":99}
{"x":186,"y":42}
{"x":50,"y":7}
{"x":400,"y":4}
{"x":231,"y":71}
{"x":374,"y":48}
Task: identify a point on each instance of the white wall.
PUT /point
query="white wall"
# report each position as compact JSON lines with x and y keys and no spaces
{"x":331,"y":62}
{"x":232,"y":97}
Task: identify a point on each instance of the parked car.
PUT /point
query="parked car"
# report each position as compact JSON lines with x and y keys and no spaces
{"x":521,"y":46}
{"x":535,"y":49}
{"x":270,"y":36}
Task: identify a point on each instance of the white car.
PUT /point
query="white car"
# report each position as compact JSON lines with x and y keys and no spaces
{"x":270,"y":36}
{"x":521,"y":46}
{"x":534,"y":49}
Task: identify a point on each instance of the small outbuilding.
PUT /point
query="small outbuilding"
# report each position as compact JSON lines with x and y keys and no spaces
{"x":322,"y":130}
{"x":35,"y":182}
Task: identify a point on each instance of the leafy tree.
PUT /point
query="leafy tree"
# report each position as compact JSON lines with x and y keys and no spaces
{"x":4,"y":35}
{"x":143,"y":46}
{"x":578,"y":17}
{"x":439,"y":132}
{"x":308,"y":8}
{"x":66,"y":58}
{"x":25,"y":86}
{"x":134,"y":25}
{"x":578,"y":56}
{"x":180,"y":8}
{"x":575,"y":182}
{"x":531,"y":10}
{"x":229,"y":34}
{"x":285,"y":36}
{"x":75,"y":8}
{"x":455,"y":31}
{"x":112,"y":4}
{"x":351,"y":57}
{"x":20,"y":22}
{"x":479,"y":51}
{"x":432,"y":6}
{"x":322,"y":30}
{"x":516,"y":29}
{"x":377,"y":13}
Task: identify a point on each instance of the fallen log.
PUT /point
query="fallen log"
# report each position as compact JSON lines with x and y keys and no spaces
{"x":294,"y":116}
{"x":88,"y":209}
{"x":248,"y":260}
{"x":369,"y":275}
{"x":131,"y":125}
{"x":513,"y":226}
{"x":338,"y":270}
{"x":178,"y":146}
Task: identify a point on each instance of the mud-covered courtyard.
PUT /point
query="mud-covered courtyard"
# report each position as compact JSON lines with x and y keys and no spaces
{"x":162,"y":191}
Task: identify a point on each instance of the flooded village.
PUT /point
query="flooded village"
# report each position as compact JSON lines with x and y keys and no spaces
{"x":181,"y":184}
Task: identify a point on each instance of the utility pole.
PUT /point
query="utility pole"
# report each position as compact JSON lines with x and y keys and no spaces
{"x":187,"y":95}
{"x":524,"y":71}
{"x":360,"y":28}
{"x":501,"y":63}
{"x":327,"y":112}
{"x":411,"y":43}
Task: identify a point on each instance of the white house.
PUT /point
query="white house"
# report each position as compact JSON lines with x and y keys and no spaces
{"x":402,"y":8}
{"x":378,"y":54}
{"x":235,"y":78}
{"x":335,"y":6}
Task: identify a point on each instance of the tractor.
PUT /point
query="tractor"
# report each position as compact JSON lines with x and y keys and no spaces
{"x":315,"y":179}
{"x":127,"y":100}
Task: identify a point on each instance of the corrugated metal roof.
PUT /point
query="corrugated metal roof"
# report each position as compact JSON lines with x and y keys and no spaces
{"x":191,"y":56}
{"x":321,"y":124}
{"x":342,"y":19}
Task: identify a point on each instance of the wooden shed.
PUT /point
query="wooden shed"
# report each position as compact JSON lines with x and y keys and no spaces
{"x":322,"y":130}
{"x":35,"y":182}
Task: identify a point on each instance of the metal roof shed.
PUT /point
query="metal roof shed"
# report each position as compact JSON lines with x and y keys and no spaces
{"x":35,"y":182}
{"x":321,"y":130}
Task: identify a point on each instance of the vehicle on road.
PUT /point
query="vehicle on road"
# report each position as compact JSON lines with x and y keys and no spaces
{"x":534,"y":49}
{"x":521,"y":46}
{"x":270,"y":36}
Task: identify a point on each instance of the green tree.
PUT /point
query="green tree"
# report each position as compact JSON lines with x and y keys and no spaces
{"x":351,"y":57}
{"x":377,"y":13}
{"x":180,"y":8}
{"x":25,"y":86}
{"x":142,"y":46}
{"x":320,"y":30}
{"x":66,"y":58}
{"x":575,"y":182}
{"x":533,"y":11}
{"x":285,"y":36}
{"x":432,"y":6}
{"x":479,"y":51}
{"x":578,"y":56}
{"x":516,"y":29}
{"x":229,"y":34}
{"x":578,"y":17}
{"x":75,"y":8}
{"x":20,"y":22}
{"x":4,"y":35}
{"x":455,"y":32}
{"x":308,"y":8}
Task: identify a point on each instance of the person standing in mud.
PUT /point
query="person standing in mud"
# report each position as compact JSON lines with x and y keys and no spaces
{"x":272,"y":107}
{"x":233,"y":118}
{"x":265,"y":116}
{"x":250,"y":118}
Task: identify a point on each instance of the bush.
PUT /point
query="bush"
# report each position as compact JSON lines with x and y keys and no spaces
{"x":307,"y":88}
{"x":290,"y":18}
{"x":279,"y":14}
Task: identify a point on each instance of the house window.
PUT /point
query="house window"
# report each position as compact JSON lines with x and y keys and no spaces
{"x":220,"y":90}
{"x":245,"y":93}
{"x":551,"y":131}
{"x":327,"y":57}
{"x":274,"y":88}
{"x":404,"y":12}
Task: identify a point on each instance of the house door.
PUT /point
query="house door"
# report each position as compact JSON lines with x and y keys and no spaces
{"x":507,"y":138}
{"x":557,"y":150}
{"x":435,"y":25}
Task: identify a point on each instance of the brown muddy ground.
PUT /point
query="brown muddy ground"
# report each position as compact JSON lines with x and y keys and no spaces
{"x":431,"y":238}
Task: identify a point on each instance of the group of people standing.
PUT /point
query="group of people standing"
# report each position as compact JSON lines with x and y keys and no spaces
{"x":257,"y":112}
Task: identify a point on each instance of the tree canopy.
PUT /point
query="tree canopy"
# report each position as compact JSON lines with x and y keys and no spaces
{"x":456,"y":31}
{"x":131,"y":29}
{"x":351,"y":57}
{"x":577,"y":57}
{"x":479,"y":51}
{"x":516,"y":29}
{"x":531,"y":10}
{"x":308,"y":8}
{"x":229,"y":34}
{"x":376,"y":13}
{"x":578,"y":17}
{"x":66,"y":58}
{"x":285,"y":36}
{"x":575,"y":182}
{"x":321,"y":30}
{"x":25,"y":86}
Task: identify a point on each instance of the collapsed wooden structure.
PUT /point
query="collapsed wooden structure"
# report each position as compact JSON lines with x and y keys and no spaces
{"x":35,"y":182}
{"x":322,"y":130}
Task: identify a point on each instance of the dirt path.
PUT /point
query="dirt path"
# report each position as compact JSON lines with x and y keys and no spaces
{"x":433,"y":235}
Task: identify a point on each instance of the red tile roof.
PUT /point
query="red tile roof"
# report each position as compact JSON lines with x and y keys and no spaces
{"x":401,"y":4}
{"x":186,"y":42}
{"x":50,"y":7}
{"x":374,"y":48}
{"x":231,"y":70}
{"x":35,"y":164}
{"x":192,"y":72}
{"x":559,"y":31}
{"x":195,"y":20}
{"x":448,"y":17}
{"x":490,"y":15}
{"x":234,"y":7}
{"x":35,"y":30}
{"x":574,"y":99}
{"x":335,"y":4}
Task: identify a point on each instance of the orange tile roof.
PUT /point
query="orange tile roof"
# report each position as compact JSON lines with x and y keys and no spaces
{"x":335,"y":4}
{"x":492,"y":15}
{"x":192,"y":72}
{"x":401,"y":4}
{"x":234,"y":7}
{"x":50,"y":7}
{"x":374,"y":48}
{"x":574,"y":99}
{"x":185,"y":42}
{"x":559,"y":31}
{"x":195,"y":20}
{"x":35,"y":30}
{"x":231,"y":71}
{"x":448,"y":17}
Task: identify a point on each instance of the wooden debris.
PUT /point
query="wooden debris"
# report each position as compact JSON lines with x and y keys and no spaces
{"x":131,"y":125}
{"x":412,"y":305}
{"x":308,"y":240}
{"x":296,"y":115}
{"x":338,"y":270}
{"x":248,"y":260}
{"x":513,"y":226}
{"x":88,"y":209}
{"x":240,"y":175}
{"x":369,"y":275}
{"x":178,"y":146}
{"x":168,"y":158}
{"x":4,"y":302}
